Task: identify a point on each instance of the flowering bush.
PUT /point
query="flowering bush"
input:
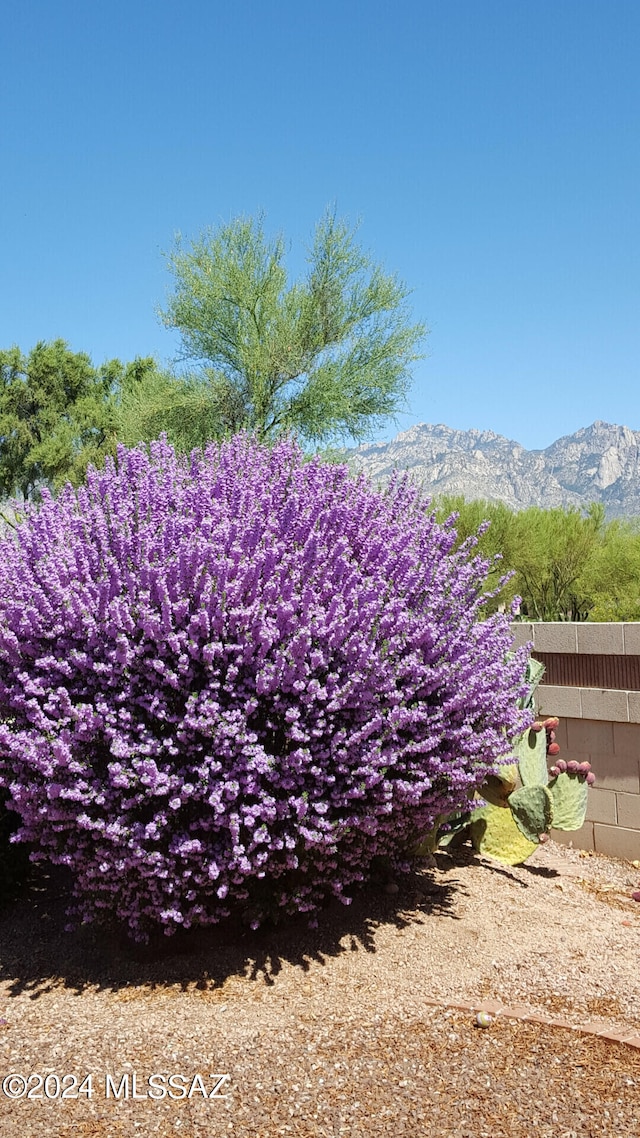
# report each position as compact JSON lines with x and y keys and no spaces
{"x":240,"y":675}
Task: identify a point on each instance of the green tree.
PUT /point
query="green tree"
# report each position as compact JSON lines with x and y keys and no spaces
{"x":58,"y":413}
{"x":497,"y":540}
{"x":552,"y":549}
{"x":611,"y":576}
{"x":325,"y":357}
{"x":567,"y":565}
{"x":152,"y":401}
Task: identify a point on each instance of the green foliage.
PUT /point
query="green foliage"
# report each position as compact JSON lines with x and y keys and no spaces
{"x":567,"y":565}
{"x":152,"y":401}
{"x":494,"y":832}
{"x":611,"y":575}
{"x":533,"y":676}
{"x":58,"y":413}
{"x":54,"y":417}
{"x":552,"y":548}
{"x":326,"y":357}
{"x":520,"y":803}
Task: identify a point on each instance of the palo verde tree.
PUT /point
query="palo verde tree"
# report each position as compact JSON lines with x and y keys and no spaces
{"x":325,"y":357}
{"x":567,"y":564}
{"x":552,"y":549}
{"x":610,"y":578}
{"x":152,"y":401}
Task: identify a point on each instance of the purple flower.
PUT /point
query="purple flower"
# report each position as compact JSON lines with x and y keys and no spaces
{"x":241,"y":672}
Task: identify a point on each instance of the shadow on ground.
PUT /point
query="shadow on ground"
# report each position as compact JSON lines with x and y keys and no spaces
{"x":37,"y":954}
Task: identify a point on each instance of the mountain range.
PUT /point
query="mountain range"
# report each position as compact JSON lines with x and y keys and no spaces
{"x":600,"y":463}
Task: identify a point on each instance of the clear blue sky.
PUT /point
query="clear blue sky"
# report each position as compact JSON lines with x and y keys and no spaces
{"x":490,"y":148}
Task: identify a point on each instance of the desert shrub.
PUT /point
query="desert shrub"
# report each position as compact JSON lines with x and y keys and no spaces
{"x":241,"y":676}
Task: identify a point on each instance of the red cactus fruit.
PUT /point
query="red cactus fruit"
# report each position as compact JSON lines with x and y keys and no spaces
{"x":561,"y":765}
{"x":536,"y":726}
{"x":551,"y":723}
{"x":590,"y":779}
{"x":554,"y":772}
{"x":572,"y":767}
{"x":551,"y":736}
{"x":553,"y":749}
{"x":584,"y":768}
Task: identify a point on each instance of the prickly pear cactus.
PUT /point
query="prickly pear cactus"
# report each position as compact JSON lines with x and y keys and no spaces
{"x":532,"y":809}
{"x":531,"y":752}
{"x":532,"y":676}
{"x":522,"y":802}
{"x":493,"y":832}
{"x":517,"y":816}
{"x":569,"y":795}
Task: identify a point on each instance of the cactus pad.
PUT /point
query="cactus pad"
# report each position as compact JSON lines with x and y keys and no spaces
{"x":532,"y":808}
{"x":531,"y":752}
{"x":569,"y":794}
{"x":533,"y":675}
{"x":497,"y":787}
{"x":494,"y":833}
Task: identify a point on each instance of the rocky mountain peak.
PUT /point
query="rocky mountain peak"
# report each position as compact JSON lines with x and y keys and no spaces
{"x":600,"y":463}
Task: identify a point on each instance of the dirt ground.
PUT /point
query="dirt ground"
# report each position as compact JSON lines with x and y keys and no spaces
{"x":340,"y":1030}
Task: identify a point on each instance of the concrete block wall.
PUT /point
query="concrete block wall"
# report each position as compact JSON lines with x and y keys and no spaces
{"x":599,"y":725}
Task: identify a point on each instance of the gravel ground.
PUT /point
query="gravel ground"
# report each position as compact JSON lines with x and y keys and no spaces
{"x":333,"y":1031}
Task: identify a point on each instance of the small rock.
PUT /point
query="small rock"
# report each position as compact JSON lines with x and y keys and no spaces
{"x":391,"y":888}
{"x":636,"y":896}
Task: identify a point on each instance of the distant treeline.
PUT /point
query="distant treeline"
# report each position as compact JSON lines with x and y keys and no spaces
{"x":568,"y":564}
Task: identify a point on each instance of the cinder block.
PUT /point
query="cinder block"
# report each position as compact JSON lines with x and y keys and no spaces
{"x":628,"y":811}
{"x":582,"y":839}
{"x":626,"y":739}
{"x":601,"y":639}
{"x":560,"y":701}
{"x":598,"y":703}
{"x":556,"y":636}
{"x":634,"y":706}
{"x":589,"y":736}
{"x":522,"y":633}
{"x":615,"y":772}
{"x":614,"y":841}
{"x":631,"y":636}
{"x":601,"y":806}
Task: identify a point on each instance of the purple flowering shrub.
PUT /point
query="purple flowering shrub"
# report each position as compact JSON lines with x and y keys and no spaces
{"x":241,"y":675}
